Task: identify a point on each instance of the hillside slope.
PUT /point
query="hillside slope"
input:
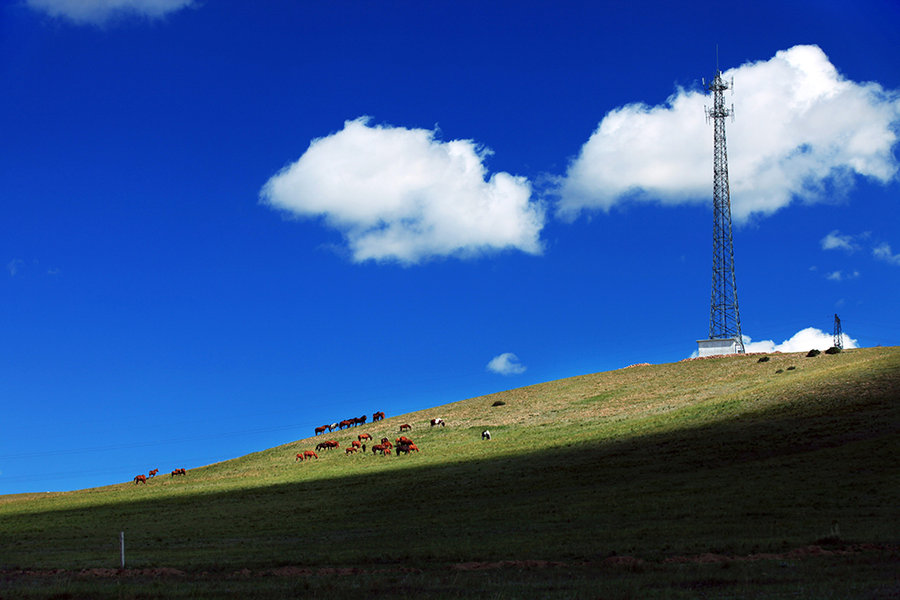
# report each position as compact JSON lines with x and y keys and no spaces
{"x":725,"y":455}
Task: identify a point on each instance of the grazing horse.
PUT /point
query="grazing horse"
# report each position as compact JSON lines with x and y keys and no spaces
{"x":152,"y":473}
{"x":485,"y":435}
{"x":140,"y":479}
{"x":406,"y":447}
{"x":355,"y":444}
{"x":364,"y":436}
{"x":405,"y":427}
{"x":438,"y":421}
{"x":299,"y":457}
{"x":378,"y":448}
{"x":178,"y":472}
{"x":310,"y":454}
{"x":350,"y":449}
{"x":321,"y":429}
{"x":403,"y":440}
{"x":377,"y":416}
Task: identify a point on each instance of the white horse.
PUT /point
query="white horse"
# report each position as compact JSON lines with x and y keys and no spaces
{"x":438,"y":421}
{"x":485,"y":435}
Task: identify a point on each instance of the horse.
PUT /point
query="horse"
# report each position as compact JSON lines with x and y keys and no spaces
{"x":310,"y":454}
{"x":140,"y":479}
{"x":379,"y":448}
{"x":299,"y":457}
{"x":355,"y":444}
{"x":152,"y":473}
{"x":178,"y":472}
{"x":403,"y":440}
{"x":321,"y":429}
{"x":405,"y":427}
{"x":485,"y":435}
{"x":406,"y":447}
{"x":350,"y":449}
{"x":438,"y":421}
{"x":377,"y":416}
{"x":332,"y":427}
{"x":364,"y":436}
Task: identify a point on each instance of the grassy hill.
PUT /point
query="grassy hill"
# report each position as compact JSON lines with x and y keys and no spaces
{"x":709,"y":478}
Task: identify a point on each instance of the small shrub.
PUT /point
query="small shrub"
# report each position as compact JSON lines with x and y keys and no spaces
{"x":498,"y":403}
{"x":763,"y":359}
{"x":833,"y":350}
{"x":813,"y":353}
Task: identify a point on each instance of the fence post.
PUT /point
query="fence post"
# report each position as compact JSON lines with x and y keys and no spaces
{"x":122,"y":546}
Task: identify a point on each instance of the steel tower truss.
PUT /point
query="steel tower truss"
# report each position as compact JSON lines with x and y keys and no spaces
{"x":724,"y":316}
{"x":838,"y":334}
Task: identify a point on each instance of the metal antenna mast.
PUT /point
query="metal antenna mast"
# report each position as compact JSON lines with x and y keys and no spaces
{"x":724,"y":317}
{"x":838,"y":336}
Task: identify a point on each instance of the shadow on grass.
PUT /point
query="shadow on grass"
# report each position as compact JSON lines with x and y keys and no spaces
{"x":757,"y":483}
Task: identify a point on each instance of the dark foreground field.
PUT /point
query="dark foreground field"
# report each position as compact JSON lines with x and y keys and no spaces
{"x":720,"y":478}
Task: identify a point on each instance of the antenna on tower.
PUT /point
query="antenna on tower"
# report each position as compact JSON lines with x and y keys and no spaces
{"x":724,"y":316}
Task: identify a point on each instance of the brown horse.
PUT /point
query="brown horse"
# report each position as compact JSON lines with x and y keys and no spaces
{"x":178,"y":472}
{"x":405,"y":427}
{"x":364,"y":436}
{"x":310,"y":454}
{"x":351,"y":450}
{"x":153,"y":473}
{"x":377,"y":416}
{"x":140,"y":479}
{"x":321,"y":429}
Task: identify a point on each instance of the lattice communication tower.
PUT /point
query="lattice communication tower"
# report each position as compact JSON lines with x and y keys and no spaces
{"x":838,"y":335}
{"x":724,"y":316}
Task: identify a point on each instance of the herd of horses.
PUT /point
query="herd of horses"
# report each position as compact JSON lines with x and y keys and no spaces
{"x":153,"y":473}
{"x":401,"y":445}
{"x":377,"y":416}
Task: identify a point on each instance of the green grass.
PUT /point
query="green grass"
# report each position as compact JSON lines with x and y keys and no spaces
{"x":719,"y":456}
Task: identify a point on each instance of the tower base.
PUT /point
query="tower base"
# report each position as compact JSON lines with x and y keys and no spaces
{"x":717,"y":347}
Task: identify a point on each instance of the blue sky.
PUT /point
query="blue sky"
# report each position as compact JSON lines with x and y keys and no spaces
{"x":226,"y":223}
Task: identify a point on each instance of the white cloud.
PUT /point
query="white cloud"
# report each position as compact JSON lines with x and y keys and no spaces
{"x":398,"y":194}
{"x":802,"y":341}
{"x":14,"y":265}
{"x":835,"y":240}
{"x":799,"y":129}
{"x":506,"y":364}
{"x":883,"y":252}
{"x":97,"y":12}
{"x":841,"y":276}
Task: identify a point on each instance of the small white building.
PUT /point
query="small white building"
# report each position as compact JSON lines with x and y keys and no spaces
{"x":720,"y":346}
